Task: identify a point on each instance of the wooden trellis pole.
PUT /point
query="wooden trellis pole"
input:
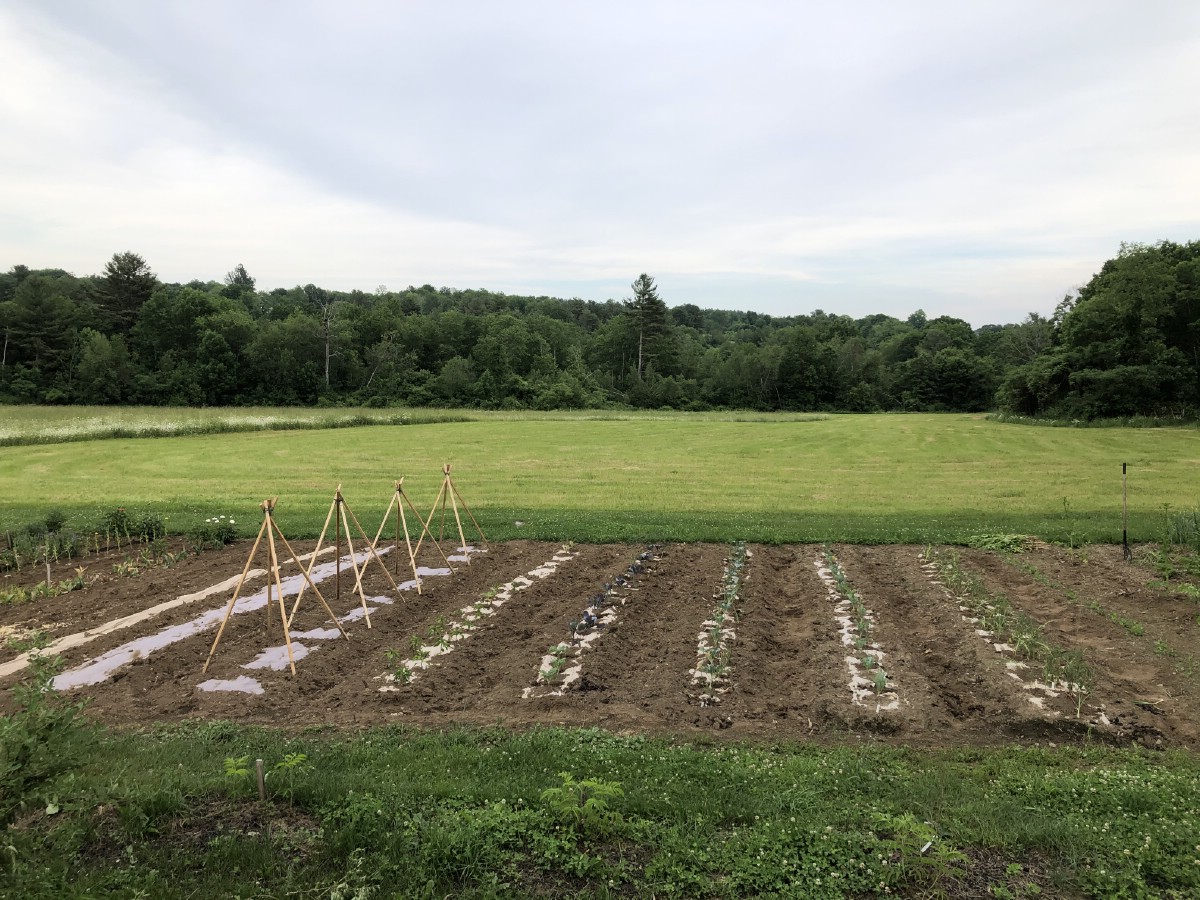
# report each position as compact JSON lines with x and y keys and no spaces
{"x":449,"y":493}
{"x":270,"y":528}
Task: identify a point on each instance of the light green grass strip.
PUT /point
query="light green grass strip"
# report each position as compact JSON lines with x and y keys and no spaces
{"x":24,"y":425}
{"x":860,"y":478}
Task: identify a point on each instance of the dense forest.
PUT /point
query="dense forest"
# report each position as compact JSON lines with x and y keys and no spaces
{"x":1127,"y":343}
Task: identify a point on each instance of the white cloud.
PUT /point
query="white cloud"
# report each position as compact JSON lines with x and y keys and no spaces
{"x":975,"y":159}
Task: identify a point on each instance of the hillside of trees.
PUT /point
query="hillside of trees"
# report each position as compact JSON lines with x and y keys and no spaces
{"x":1127,"y":343}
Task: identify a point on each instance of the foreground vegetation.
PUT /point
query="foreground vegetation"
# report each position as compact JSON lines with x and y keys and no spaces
{"x":881,"y":478}
{"x":391,"y":812}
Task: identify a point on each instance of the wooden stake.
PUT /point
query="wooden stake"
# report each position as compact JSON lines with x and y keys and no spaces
{"x":337,"y":537}
{"x":354,"y":565}
{"x":262,"y":779}
{"x":451,"y":492}
{"x":237,"y":590}
{"x":426,"y":531}
{"x":1126,"y":552}
{"x":433,"y":512}
{"x":310,"y":583}
{"x":449,"y":489}
{"x":283,"y":616}
{"x":312,"y":561}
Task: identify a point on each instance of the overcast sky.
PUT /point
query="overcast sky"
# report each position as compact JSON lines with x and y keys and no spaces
{"x":972,"y":159}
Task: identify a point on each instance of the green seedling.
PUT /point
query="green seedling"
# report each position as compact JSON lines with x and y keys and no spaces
{"x":584,"y":804}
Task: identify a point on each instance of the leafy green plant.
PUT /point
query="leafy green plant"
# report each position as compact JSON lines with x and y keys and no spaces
{"x":37,"y":740}
{"x":999,"y":543}
{"x":557,"y":662}
{"x":237,"y":767}
{"x":55,"y":520}
{"x":150,"y":528}
{"x":289,"y":769}
{"x":213,"y":533}
{"x":927,"y":858}
{"x":1078,"y":676}
{"x":584,"y":804}
{"x":118,"y":523}
{"x":127,"y":569}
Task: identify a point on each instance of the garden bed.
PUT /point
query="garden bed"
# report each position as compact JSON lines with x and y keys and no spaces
{"x":639,"y":675}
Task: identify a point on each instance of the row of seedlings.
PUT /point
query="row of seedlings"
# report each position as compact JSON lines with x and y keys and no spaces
{"x":443,"y":635}
{"x":870,"y":682}
{"x":713,"y":672}
{"x":563,"y":663}
{"x":1043,"y":670}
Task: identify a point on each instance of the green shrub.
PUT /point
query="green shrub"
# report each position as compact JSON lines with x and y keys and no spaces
{"x":35,"y":741}
{"x":214,"y":532}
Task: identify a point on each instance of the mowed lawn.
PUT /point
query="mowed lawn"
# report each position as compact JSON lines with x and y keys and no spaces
{"x":856,"y":478}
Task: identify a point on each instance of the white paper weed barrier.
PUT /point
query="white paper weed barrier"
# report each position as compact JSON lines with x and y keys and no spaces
{"x":871,"y":685}
{"x":562,"y":666}
{"x":102,"y":667}
{"x":470,"y":620}
{"x":714,"y":672}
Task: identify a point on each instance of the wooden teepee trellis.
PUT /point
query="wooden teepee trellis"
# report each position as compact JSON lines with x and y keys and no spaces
{"x":271,"y":529}
{"x":398,"y":502}
{"x":342,"y":515}
{"x":449,"y":493}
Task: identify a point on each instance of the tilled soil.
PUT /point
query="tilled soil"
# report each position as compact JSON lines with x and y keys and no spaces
{"x":789,"y":679}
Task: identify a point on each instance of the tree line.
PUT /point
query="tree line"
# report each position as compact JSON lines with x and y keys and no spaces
{"x":1127,"y":343}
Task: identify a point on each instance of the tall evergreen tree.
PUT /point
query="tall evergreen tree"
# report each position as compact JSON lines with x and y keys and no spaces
{"x":649,"y":314}
{"x":125,"y":287}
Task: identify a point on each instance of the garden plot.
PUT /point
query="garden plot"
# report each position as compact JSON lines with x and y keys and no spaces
{"x":639,"y":676}
{"x":790,"y":653}
{"x":102,"y":667}
{"x":277,"y":658}
{"x":713,"y":672}
{"x":1141,"y":642}
{"x":1044,"y":671}
{"x":563,"y":665}
{"x":471,"y":619}
{"x":870,"y":683}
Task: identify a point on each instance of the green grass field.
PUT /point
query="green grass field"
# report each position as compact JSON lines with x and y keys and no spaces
{"x":875,"y":478}
{"x":390,"y":812}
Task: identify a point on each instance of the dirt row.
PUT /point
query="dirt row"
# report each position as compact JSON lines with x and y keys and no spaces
{"x":790,"y":677}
